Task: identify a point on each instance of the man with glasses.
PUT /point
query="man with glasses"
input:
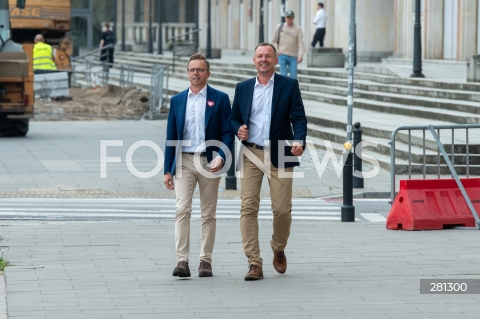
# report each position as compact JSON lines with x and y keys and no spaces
{"x":198,"y":146}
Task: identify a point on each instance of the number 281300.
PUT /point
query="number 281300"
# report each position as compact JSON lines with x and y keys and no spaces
{"x":447,"y":286}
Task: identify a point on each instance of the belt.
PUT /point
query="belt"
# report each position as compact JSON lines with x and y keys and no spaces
{"x":258,"y":147}
{"x":198,"y":154}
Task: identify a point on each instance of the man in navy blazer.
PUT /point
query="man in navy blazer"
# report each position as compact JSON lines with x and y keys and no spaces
{"x":198,"y":146}
{"x":268,"y":116}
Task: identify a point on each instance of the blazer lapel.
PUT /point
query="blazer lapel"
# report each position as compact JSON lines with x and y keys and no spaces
{"x":249,"y":100}
{"x":210,"y":98}
{"x":277,"y":85}
{"x":181,"y":113}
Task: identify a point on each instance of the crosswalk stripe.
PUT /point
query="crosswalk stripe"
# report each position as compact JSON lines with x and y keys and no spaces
{"x":135,"y":208}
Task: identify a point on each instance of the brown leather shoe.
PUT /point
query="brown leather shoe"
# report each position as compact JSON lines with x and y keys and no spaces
{"x":182,"y":270}
{"x":205,"y":269}
{"x":254,"y":273}
{"x":280,"y":262}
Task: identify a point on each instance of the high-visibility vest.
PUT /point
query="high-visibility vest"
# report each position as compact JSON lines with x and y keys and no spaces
{"x":42,"y":57}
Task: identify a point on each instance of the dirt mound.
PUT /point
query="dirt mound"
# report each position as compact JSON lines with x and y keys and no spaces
{"x":106,"y":103}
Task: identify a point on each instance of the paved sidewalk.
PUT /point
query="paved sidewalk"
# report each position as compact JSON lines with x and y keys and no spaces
{"x":62,"y":159}
{"x":335,"y":270}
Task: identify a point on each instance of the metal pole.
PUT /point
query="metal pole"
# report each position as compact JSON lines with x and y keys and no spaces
{"x":348,"y":210}
{"x":209,"y":31}
{"x":417,"y":44}
{"x":115,"y":8}
{"x":196,"y":25}
{"x":150,"y":34}
{"x":357,"y":161}
{"x":283,"y":11}
{"x":261,"y":38}
{"x":231,"y":179}
{"x":123,"y":25}
{"x":160,"y":30}
{"x":351,"y":59}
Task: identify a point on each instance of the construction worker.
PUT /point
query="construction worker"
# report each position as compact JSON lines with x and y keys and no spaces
{"x":43,"y":59}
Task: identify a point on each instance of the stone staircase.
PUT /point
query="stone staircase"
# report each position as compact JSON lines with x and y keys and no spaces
{"x":382,"y":102}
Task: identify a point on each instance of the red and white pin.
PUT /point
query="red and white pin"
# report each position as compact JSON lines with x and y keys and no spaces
{"x":210,"y":103}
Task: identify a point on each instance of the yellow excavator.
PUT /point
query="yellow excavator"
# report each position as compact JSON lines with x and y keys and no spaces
{"x":51,"y":18}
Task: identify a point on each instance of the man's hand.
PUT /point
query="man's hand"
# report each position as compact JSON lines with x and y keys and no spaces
{"x":297,"y":149}
{"x":216,"y":164}
{"x":299,"y":60}
{"x":168,"y":180}
{"x":243,"y":133}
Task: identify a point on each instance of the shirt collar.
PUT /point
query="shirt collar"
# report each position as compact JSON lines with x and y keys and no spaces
{"x":202,"y":91}
{"x":272,"y":80}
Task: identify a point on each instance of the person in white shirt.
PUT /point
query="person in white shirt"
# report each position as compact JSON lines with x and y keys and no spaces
{"x":198,"y":117}
{"x":320,"y":22}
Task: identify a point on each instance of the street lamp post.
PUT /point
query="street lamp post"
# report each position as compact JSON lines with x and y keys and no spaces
{"x":123,"y":25}
{"x":160,"y":30}
{"x":261,"y":38}
{"x":196,"y":26}
{"x":283,"y":11}
{"x":150,"y":33}
{"x":209,"y":31}
{"x":417,"y":43}
{"x":348,"y":210}
{"x":115,"y":8}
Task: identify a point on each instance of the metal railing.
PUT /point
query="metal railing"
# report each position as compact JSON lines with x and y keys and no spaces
{"x":158,"y":74}
{"x":435,"y":131}
{"x":90,"y":53}
{"x":184,"y":45}
{"x":137,"y":32}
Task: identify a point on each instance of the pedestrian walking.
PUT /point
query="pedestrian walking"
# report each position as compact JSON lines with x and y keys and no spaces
{"x":288,"y":41}
{"x":197,"y":116}
{"x":268,"y":116}
{"x":320,"y":21}
{"x":107,"y":38}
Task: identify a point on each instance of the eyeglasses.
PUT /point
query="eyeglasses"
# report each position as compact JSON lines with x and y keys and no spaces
{"x":195,"y":70}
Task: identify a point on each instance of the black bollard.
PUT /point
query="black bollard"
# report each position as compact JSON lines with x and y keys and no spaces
{"x":348,"y":210}
{"x":357,"y":161}
{"x":231,"y":179}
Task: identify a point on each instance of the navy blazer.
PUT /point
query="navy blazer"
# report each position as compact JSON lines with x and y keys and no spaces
{"x":216,"y":126}
{"x":288,"y":120}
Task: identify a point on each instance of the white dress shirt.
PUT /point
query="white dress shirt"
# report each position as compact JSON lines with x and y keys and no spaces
{"x":194,"y":129}
{"x":320,"y":19}
{"x":261,"y":113}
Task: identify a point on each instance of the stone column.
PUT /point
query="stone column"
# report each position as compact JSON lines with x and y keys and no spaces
{"x":221,"y":23}
{"x":234,"y":17}
{"x":466,"y":29}
{"x":433,"y":29}
{"x":375,"y":28}
{"x":182,"y":11}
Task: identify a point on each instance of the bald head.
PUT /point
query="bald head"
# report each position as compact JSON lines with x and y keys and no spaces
{"x":39,"y":38}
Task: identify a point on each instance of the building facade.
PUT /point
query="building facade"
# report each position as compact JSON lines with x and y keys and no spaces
{"x":450,"y":28}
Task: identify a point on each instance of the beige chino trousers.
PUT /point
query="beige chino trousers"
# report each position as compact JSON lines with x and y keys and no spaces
{"x":281,"y":196}
{"x":184,"y":188}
